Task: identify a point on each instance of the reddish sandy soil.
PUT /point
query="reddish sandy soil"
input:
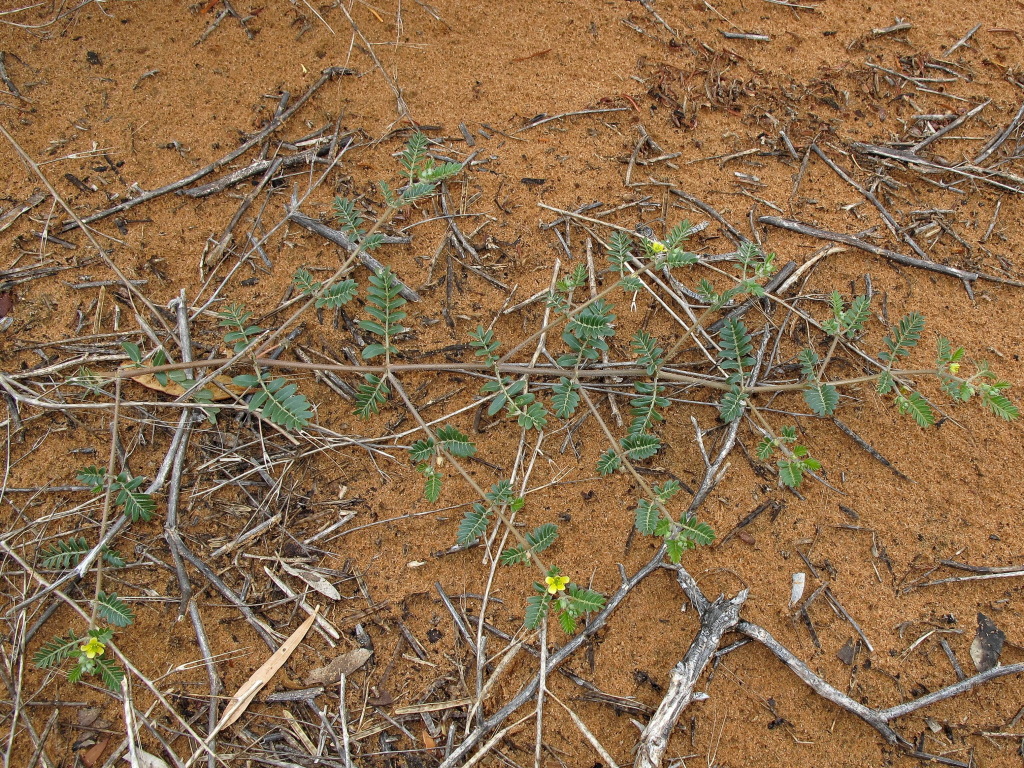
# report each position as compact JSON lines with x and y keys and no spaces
{"x":117,"y":98}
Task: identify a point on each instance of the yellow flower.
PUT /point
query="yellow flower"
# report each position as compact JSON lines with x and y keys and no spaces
{"x":556,"y":583}
{"x":93,"y":648}
{"x":657,"y":247}
{"x":954,"y":368}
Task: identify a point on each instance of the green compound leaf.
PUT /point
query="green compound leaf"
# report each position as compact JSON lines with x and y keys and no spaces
{"x":903,"y":338}
{"x":64,"y":554}
{"x":791,"y":472}
{"x":736,"y":348}
{"x":56,"y":651}
{"x":666,"y":490}
{"x":593,"y":322}
{"x":701,"y":534}
{"x":113,"y":558}
{"x":338,"y":295}
{"x":765,"y":448}
{"x":822,"y":399}
{"x":640,"y":446}
{"x":567,"y":622}
{"x":809,"y":361}
{"x":136,"y":504}
{"x":536,"y":610}
{"x":416,"y":192}
{"x":455,"y":442}
{"x":885,"y":384}
{"x":515,"y":556}
{"x":422,"y":450}
{"x":501,"y":493}
{"x":280,"y":403}
{"x":542,"y":537}
{"x":917,"y":407}
{"x":110,"y":673}
{"x":646,"y":518}
{"x":675,"y":548}
{"x":531,"y":414}
{"x":732,"y":405}
{"x":473,"y":524}
{"x":304,"y":282}
{"x":566,"y":398}
{"x":619,"y":251}
{"x":432,"y":484}
{"x":92,"y":477}
{"x":679,"y":233}
{"x":371,"y":396}
{"x":483,"y":343}
{"x":384,"y":305}
{"x":999,"y":404}
{"x":414,"y":154}
{"x":631,"y":284}
{"x":854,"y":318}
{"x":113,"y":610}
{"x":648,"y":353}
{"x":583,"y":600}
{"x":608,"y":462}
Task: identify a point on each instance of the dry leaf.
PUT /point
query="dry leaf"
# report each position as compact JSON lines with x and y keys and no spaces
{"x":796,"y":590}
{"x":174,"y":389}
{"x":94,"y":754}
{"x":87,"y":716}
{"x":987,"y":644}
{"x":247,"y":692}
{"x":147,"y":759}
{"x":314,"y":580}
{"x":345,"y":664}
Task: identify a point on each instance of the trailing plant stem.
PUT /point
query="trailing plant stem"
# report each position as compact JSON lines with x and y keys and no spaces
{"x":499,"y":511}
{"x":108,"y":498}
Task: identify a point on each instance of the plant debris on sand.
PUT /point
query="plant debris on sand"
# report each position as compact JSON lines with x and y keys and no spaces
{"x":624,"y":383}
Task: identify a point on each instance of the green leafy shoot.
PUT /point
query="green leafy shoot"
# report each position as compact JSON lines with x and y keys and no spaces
{"x":421,"y":172}
{"x":87,"y":652}
{"x":569,"y":601}
{"x":566,"y":397}
{"x":796,"y":459}
{"x":484,"y":345}
{"x":351,"y":223}
{"x":67,"y":553}
{"x":648,"y":354}
{"x":903,"y":338}
{"x":537,"y":540}
{"x":736,"y":345}
{"x":371,"y":395}
{"x":113,"y":610}
{"x":847,"y":321}
{"x":276,"y":400}
{"x":608,"y":462}
{"x":384,"y":305}
{"x":732,"y":404}
{"x":585,"y":334}
{"x":983,"y":383}
{"x":236,"y":317}
{"x":337,"y":295}
{"x":916,"y":406}
{"x":136,"y":504}
{"x":519,"y":404}
{"x":473,"y":524}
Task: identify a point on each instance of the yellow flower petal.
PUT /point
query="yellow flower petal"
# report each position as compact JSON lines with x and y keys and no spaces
{"x":93,"y":648}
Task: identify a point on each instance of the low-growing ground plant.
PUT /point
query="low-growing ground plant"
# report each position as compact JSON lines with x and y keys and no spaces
{"x":88,"y":651}
{"x":537,"y":398}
